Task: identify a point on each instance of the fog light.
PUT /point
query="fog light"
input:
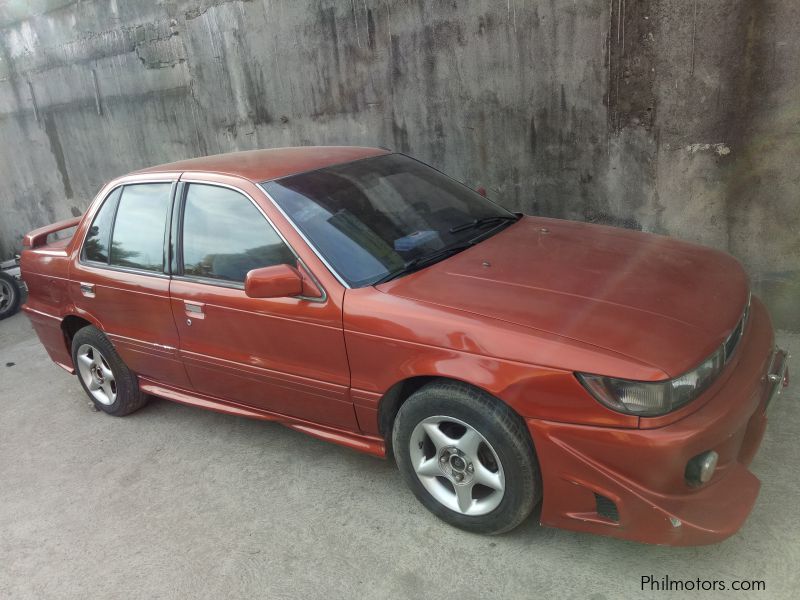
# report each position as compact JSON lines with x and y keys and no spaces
{"x":701,"y":468}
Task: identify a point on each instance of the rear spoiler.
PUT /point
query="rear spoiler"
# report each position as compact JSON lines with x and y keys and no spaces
{"x":38,"y":237}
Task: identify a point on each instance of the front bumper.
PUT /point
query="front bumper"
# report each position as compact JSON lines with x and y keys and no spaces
{"x":642,"y":471}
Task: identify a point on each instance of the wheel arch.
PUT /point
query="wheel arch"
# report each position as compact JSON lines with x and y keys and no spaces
{"x":70,"y":325}
{"x":390,"y":403}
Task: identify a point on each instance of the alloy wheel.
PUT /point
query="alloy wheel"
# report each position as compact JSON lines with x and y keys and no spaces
{"x":96,"y":374}
{"x":457,"y":465}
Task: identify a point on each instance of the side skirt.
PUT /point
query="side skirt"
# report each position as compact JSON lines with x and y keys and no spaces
{"x":369,"y":444}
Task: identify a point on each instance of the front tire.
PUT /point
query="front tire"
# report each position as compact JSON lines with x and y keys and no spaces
{"x":105,"y":378}
{"x":467,"y":457}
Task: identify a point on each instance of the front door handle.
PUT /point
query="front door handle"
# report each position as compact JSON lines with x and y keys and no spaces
{"x":87,"y":289}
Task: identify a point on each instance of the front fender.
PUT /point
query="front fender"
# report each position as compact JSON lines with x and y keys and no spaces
{"x":389,"y":341}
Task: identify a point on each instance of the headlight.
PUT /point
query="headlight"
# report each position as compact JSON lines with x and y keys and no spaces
{"x":650,"y":399}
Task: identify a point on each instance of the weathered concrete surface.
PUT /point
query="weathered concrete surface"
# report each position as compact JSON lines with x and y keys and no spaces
{"x":177,"y":502}
{"x":674,"y":116}
{"x":729,"y":137}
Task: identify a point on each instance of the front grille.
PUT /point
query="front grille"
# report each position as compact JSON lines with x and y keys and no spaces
{"x":606,"y":508}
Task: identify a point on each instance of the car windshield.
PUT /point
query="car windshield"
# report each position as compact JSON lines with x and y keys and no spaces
{"x":376,"y":217}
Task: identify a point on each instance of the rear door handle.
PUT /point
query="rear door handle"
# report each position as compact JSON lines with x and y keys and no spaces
{"x":193,"y":309}
{"x":87,"y":289}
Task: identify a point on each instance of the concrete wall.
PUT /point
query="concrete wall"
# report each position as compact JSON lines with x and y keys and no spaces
{"x":675,"y":116}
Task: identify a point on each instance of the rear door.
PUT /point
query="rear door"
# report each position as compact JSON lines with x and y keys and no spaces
{"x":120,"y":280}
{"x":283,"y":355}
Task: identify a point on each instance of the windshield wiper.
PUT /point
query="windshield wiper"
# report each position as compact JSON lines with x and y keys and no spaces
{"x":483,"y":222}
{"x":423,"y":261}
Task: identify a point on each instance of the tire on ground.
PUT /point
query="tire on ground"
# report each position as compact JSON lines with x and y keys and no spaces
{"x":128,"y":396}
{"x":11,"y":305}
{"x":500,"y":426}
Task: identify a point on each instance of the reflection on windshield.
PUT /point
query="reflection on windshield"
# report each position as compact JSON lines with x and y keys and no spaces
{"x":370,"y":217}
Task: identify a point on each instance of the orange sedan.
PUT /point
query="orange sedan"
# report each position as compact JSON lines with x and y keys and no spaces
{"x":358,"y":295}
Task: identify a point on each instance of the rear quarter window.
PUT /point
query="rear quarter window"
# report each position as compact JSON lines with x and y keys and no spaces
{"x":95,"y":246}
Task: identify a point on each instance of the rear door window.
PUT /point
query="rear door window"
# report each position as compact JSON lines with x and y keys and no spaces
{"x":137,"y":240}
{"x":225,"y":236}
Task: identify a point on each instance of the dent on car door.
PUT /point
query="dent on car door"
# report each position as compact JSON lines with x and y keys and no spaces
{"x":284,"y":355}
{"x":119,"y":280}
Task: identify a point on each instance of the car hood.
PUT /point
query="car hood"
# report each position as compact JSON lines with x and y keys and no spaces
{"x":659,"y":301}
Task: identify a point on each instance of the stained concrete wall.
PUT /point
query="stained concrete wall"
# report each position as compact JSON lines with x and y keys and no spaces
{"x":675,"y":116}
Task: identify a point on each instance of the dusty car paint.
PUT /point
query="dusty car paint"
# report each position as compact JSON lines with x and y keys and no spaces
{"x":334,"y":362}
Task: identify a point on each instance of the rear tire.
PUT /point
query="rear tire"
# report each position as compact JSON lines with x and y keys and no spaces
{"x":107,"y":381}
{"x":467,"y":457}
{"x":10,"y":294}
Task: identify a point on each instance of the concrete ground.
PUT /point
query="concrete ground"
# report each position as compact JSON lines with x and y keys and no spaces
{"x":175,"y":502}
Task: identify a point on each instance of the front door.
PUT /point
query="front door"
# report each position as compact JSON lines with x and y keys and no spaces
{"x":283,"y":355}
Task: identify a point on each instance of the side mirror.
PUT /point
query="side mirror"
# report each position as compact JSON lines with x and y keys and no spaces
{"x":278,"y":281}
